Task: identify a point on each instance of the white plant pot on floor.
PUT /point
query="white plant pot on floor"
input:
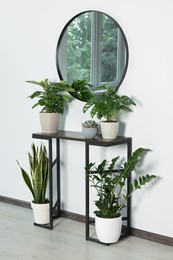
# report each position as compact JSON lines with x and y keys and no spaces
{"x":49,"y":122}
{"x":41,"y":213}
{"x":108,"y":230}
{"x":109,"y":130}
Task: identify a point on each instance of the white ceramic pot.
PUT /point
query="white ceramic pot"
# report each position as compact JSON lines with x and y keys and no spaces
{"x":109,"y":130}
{"x":41,"y":213}
{"x":89,"y":132}
{"x":49,"y":122}
{"x":108,"y":230}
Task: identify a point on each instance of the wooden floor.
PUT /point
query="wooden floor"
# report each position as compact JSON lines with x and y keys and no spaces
{"x":21,"y":240}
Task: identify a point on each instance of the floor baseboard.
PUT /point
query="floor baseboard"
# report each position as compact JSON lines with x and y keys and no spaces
{"x":81,"y":218}
{"x":16,"y":202}
{"x":152,"y":236}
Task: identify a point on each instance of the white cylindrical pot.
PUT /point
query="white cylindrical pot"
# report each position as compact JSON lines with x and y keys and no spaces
{"x":41,"y":213}
{"x":109,"y":130}
{"x":49,"y":122}
{"x":108,"y":230}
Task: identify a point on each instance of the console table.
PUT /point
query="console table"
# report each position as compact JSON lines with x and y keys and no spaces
{"x":55,"y":210}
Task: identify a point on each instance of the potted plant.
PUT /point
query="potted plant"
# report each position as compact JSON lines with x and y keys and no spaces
{"x":53,"y":100}
{"x":37,"y":182}
{"x":110,"y":180}
{"x":81,"y":90}
{"x":106,"y":106}
{"x":89,"y":128}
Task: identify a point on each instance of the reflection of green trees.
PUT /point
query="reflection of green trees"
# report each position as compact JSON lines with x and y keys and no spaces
{"x":109,"y":51}
{"x":79,"y":48}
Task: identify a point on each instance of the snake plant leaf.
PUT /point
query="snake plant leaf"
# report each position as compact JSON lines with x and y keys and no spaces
{"x":37,"y":181}
{"x":27,"y":180}
{"x":39,"y":173}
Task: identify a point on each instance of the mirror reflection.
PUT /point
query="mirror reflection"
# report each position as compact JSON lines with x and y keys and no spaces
{"x":93,"y":47}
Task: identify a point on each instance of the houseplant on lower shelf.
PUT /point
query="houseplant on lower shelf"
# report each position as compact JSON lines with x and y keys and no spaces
{"x":110,"y":181}
{"x":37,"y":182}
{"x":53,"y":99}
{"x":89,"y":129}
{"x":106,"y":106}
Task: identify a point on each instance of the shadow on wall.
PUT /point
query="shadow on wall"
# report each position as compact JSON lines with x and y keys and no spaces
{"x":121,"y":129}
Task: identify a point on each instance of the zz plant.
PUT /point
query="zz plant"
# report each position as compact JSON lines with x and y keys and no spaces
{"x":37,"y":179}
{"x":110,"y":182}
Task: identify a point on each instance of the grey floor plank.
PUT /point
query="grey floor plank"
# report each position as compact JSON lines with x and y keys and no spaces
{"x":21,"y":240}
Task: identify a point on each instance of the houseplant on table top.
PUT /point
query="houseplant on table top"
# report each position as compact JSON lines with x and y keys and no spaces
{"x":106,"y":106}
{"x":53,"y":99}
{"x":37,"y":182}
{"x":110,"y":183}
{"x":81,"y":90}
{"x":89,"y":128}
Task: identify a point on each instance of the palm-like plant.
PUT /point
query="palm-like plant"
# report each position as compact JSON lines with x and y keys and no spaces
{"x":52,"y":97}
{"x":110,"y":182}
{"x":37,"y":180}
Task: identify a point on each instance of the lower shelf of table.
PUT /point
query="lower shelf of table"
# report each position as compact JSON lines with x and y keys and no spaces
{"x":125,"y":233}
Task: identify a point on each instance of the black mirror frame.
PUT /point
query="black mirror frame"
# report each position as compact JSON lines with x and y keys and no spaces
{"x":62,"y":34}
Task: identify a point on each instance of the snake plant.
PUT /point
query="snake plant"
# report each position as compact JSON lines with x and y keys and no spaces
{"x":37,"y":180}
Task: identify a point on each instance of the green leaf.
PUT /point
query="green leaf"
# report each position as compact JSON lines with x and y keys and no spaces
{"x":27,"y":180}
{"x":39,"y":173}
{"x":107,"y":103}
{"x":52,"y":98}
{"x":110,"y":182}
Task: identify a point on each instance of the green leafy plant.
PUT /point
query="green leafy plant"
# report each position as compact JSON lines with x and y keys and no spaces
{"x":52,"y":97}
{"x":89,"y":124}
{"x":82,"y":90}
{"x":107,"y":104}
{"x":37,"y":180}
{"x":110,"y":183}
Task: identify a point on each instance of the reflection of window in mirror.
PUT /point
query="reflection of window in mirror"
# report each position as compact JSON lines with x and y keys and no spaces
{"x":77,"y":50}
{"x":93,"y":49}
{"x":111,"y":52}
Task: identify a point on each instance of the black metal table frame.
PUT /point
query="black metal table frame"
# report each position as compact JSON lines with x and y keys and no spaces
{"x":55,"y":210}
{"x":126,"y":230}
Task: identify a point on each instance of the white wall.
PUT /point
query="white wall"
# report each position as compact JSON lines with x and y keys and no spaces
{"x":29,"y":32}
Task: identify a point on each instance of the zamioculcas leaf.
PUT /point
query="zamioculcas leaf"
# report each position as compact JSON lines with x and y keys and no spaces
{"x":110,"y":183}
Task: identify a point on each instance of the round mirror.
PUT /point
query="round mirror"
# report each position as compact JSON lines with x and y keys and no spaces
{"x":92,"y":47}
